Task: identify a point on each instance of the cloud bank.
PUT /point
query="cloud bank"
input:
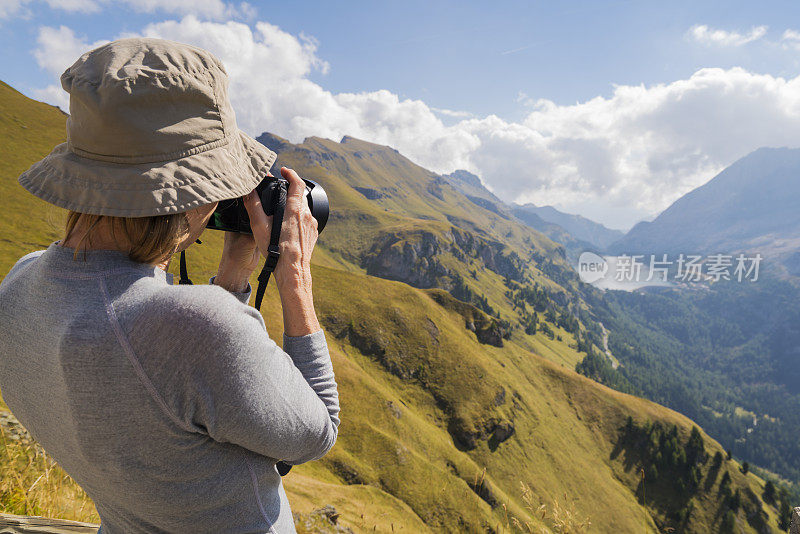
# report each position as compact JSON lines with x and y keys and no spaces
{"x":615,"y":159}
{"x":703,"y":34}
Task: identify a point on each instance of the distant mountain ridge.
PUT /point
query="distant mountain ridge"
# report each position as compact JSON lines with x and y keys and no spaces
{"x":473,"y":188}
{"x":578,"y":226}
{"x":750,"y":206}
{"x":574,"y":232}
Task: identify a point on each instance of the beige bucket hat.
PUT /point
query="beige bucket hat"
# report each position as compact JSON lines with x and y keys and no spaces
{"x":150,"y":132}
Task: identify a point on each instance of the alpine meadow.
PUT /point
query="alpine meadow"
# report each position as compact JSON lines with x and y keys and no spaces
{"x":484,"y":387}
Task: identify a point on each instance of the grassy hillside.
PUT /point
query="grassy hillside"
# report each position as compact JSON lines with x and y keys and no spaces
{"x":453,"y":417}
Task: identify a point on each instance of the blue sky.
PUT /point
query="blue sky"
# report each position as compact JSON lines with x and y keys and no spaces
{"x":609,"y":109}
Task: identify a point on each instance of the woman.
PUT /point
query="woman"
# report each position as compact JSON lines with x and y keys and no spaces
{"x":169,"y":404}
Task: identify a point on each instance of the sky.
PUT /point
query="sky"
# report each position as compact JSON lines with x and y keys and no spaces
{"x":611,"y":110}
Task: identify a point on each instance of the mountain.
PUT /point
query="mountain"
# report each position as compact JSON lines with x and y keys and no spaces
{"x":473,"y":188}
{"x":573,"y":246}
{"x":475,"y":191}
{"x":454,"y":332}
{"x":750,"y":206}
{"x":579,"y":227}
{"x":724,"y":353}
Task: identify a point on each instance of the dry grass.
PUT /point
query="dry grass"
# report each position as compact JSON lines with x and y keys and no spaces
{"x":31,"y":483}
{"x":561,"y":517}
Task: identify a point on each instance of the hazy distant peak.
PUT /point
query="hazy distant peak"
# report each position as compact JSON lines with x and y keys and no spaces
{"x":466,"y":177}
{"x":580,"y":227}
{"x":365,"y":145}
{"x":749,"y":206}
{"x":273,"y":142}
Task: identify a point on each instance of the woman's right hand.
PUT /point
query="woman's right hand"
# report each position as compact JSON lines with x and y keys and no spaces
{"x":298,"y":236}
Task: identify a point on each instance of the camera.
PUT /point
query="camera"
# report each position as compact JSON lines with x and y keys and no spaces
{"x":231,"y":215}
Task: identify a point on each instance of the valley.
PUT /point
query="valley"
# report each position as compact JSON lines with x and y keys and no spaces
{"x":455,"y":330}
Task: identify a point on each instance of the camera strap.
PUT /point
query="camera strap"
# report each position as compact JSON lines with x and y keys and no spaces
{"x":278,"y":200}
{"x":184,"y":279}
{"x":273,"y":253}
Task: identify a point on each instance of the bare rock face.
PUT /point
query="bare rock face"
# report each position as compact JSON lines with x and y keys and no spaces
{"x":489,"y":334}
{"x":413,"y":260}
{"x":493,"y":431}
{"x":322,"y":520}
{"x":432,"y":329}
{"x":13,"y":429}
{"x":484,"y":490}
{"x":794,"y":527}
{"x":487,"y":329}
{"x":500,"y":398}
{"x":502,"y":432}
{"x":435,"y":187}
{"x":371,"y":194}
{"x":415,"y":257}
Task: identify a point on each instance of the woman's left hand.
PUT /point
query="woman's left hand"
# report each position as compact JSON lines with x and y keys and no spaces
{"x":240,"y":257}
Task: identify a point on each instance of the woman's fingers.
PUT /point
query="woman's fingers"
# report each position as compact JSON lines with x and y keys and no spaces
{"x":299,"y":229}
{"x":260,"y":222}
{"x":297,"y":187}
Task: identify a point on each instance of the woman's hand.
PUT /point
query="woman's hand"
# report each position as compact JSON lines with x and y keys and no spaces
{"x":298,"y":236}
{"x":240,"y":255}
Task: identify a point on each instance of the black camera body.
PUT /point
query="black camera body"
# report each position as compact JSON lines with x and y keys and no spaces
{"x":231,"y":215}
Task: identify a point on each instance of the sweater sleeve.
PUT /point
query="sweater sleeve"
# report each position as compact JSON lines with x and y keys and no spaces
{"x":243,"y":296}
{"x":231,"y":381}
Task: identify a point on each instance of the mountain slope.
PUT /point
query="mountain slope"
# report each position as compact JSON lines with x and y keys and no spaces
{"x":572,"y":245}
{"x":725,"y":352}
{"x":448,"y":405}
{"x":750,"y":206}
{"x":28,"y":131}
{"x":471,"y":186}
{"x":577,"y":234}
{"x":355,"y":165}
{"x":578,"y":226}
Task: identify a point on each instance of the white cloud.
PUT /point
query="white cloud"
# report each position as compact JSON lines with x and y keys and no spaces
{"x":703,"y":34}
{"x":452,"y":113}
{"x":615,"y":158}
{"x":212,"y":9}
{"x":645,"y":146}
{"x":54,"y":95}
{"x":57,"y":49}
{"x":791,"y":40}
{"x":9,"y":8}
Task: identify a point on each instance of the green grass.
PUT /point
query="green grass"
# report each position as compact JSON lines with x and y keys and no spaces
{"x":410,"y":374}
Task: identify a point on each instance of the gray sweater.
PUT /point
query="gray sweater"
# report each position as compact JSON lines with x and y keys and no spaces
{"x":168,"y":404}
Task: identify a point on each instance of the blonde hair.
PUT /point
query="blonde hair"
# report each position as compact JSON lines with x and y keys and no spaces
{"x":151,"y":239}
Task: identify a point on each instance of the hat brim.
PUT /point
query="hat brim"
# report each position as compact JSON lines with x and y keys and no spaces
{"x":142,"y":190}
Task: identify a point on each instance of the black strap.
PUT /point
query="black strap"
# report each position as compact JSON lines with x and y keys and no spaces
{"x":184,"y":279}
{"x":273,"y":253}
{"x":283,"y":468}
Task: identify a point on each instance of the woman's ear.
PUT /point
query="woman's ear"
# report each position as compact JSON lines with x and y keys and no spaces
{"x":197,"y":219}
{"x":199,"y":216}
